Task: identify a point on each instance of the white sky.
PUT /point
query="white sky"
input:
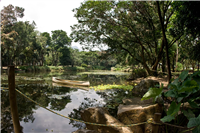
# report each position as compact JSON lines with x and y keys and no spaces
{"x":48,"y":15}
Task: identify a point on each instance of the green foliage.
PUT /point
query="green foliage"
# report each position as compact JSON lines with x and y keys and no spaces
{"x":172,"y":111}
{"x":194,"y":122}
{"x":179,"y":66}
{"x":186,"y":88}
{"x":98,"y":67}
{"x":118,"y":67}
{"x":105,"y":87}
{"x":138,"y":73}
{"x":84,"y":65}
{"x":65,"y":58}
{"x":187,"y":17}
{"x":128,"y":28}
{"x":152,"y":93}
{"x":34,"y":68}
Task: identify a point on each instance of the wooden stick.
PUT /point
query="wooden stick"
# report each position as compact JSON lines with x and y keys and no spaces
{"x":12,"y":98}
{"x":155,"y":127}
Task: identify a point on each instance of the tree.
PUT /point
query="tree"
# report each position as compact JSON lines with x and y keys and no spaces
{"x":65,"y":58}
{"x":187,"y":21}
{"x":23,"y":40}
{"x":164,"y":39}
{"x":9,"y":17}
{"x":75,"y":57}
{"x":59,"y":40}
{"x":131,"y":27}
{"x":187,"y":17}
{"x":41,"y":41}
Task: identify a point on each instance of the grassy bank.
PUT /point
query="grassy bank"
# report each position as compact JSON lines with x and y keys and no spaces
{"x":50,"y":68}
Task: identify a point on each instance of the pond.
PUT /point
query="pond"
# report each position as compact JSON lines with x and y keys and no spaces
{"x":64,"y":100}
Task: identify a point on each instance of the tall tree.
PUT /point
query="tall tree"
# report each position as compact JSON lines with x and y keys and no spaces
{"x":164,"y":38}
{"x":59,"y":40}
{"x":131,"y":27}
{"x":9,"y":17}
{"x":41,"y":41}
{"x":187,"y":21}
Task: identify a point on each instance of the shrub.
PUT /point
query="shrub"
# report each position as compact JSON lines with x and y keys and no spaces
{"x":138,"y":73}
{"x":179,"y":66}
{"x":84,"y":65}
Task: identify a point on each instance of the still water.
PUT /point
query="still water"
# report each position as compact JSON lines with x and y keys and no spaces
{"x":64,"y":100}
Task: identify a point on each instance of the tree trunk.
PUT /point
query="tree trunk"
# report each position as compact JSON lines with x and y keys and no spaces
{"x":159,"y":57}
{"x":147,"y":69}
{"x":13,"y":99}
{"x":198,"y":65}
{"x":173,"y":63}
{"x":165,"y":42}
{"x":163,"y":64}
{"x":176,"y":57}
{"x":1,"y":67}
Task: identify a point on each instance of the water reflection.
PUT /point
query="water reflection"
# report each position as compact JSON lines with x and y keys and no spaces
{"x":64,"y":100}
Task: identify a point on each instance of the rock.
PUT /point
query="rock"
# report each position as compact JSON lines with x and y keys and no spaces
{"x":132,"y":114}
{"x":112,"y":69}
{"x":102,"y":116}
{"x":143,"y":87}
{"x":85,"y":131}
{"x":137,"y":101}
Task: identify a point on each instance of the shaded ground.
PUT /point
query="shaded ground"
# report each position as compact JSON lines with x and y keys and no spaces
{"x":162,"y":80}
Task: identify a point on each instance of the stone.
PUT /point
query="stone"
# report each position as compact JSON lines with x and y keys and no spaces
{"x":133,"y":114}
{"x":85,"y":131}
{"x":112,"y":69}
{"x":102,"y":116}
{"x":143,"y":87}
{"x":137,"y":101}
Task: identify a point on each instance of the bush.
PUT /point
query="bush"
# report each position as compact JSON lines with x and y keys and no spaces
{"x":138,"y":73}
{"x":34,"y":68}
{"x":98,"y":67}
{"x":179,"y":66}
{"x":84,"y":65}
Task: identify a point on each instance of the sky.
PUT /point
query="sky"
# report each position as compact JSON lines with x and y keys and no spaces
{"x":48,"y":15}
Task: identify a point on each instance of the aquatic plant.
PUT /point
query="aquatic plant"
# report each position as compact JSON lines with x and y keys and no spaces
{"x":113,"y":86}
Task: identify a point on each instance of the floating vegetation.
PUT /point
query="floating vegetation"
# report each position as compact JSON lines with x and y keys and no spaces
{"x":113,"y":86}
{"x":105,"y":73}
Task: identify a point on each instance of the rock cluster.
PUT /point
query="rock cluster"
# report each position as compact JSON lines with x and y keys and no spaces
{"x":133,"y":114}
{"x":132,"y":111}
{"x":102,"y":116}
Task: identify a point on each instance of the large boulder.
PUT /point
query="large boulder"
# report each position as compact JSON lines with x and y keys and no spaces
{"x":133,"y":114}
{"x":143,"y":87}
{"x":102,"y":116}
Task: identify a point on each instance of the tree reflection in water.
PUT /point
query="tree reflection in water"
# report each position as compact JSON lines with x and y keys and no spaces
{"x":40,"y":93}
{"x":87,"y":103}
{"x":56,"y":98}
{"x":112,"y":99}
